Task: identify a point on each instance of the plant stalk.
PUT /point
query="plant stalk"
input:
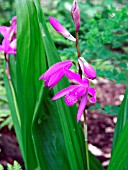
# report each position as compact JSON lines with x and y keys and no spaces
{"x":85,"y":124}
{"x":78,"y":51}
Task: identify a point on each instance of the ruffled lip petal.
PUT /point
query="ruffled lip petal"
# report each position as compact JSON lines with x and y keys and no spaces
{"x":61,"y":29}
{"x":82,"y":106}
{"x":71,"y":98}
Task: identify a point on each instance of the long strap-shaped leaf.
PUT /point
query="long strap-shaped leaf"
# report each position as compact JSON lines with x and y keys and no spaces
{"x":122,"y":118}
{"x":120,"y":153}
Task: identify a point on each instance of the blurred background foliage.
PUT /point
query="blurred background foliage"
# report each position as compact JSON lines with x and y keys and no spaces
{"x":103,"y":40}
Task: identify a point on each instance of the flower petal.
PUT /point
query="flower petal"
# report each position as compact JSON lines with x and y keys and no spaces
{"x":65,"y":91}
{"x":82,"y":106}
{"x":54,"y":79}
{"x":13,"y":44}
{"x":1,"y":48}
{"x":92,"y":92}
{"x":55,"y":68}
{"x":3,"y":30}
{"x":71,"y":98}
{"x":61,"y":29}
{"x":72,"y":76}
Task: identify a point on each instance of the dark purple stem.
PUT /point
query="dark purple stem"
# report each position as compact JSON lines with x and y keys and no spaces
{"x":78,"y":51}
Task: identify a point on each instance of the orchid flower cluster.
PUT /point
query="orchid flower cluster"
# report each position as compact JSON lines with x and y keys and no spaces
{"x":9,"y":42}
{"x":81,"y":89}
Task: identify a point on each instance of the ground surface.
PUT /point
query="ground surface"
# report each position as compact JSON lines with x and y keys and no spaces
{"x":100,"y":128}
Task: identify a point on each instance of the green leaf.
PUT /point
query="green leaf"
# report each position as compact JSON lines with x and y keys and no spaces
{"x":98,"y":106}
{"x":120,"y":152}
{"x":94,"y":163}
{"x":14,"y":111}
{"x":122,"y":118}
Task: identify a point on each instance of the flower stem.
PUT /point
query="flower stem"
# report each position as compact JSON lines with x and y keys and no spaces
{"x":86,"y":142}
{"x":7,"y":66}
{"x":85,"y":124}
{"x":78,"y":51}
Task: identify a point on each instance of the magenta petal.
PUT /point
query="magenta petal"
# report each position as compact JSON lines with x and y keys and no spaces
{"x":13,"y":44}
{"x":54,"y":79}
{"x":14,"y":19}
{"x":61,"y":29}
{"x":92,"y":92}
{"x":82,"y":107}
{"x":71,"y":98}
{"x":87,"y":69}
{"x":54,"y":68}
{"x":1,"y":48}
{"x":64,"y":91}
{"x":3,"y":30}
{"x":72,"y":76}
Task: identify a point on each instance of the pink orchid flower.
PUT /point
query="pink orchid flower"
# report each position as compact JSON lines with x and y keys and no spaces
{"x":8,"y":47}
{"x":9,"y":42}
{"x":75,"y":12}
{"x":61,"y":29}
{"x":87,"y":69}
{"x":53,"y":75}
{"x":74,"y":92}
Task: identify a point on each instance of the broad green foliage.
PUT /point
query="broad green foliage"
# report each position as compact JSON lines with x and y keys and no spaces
{"x":122,"y":118}
{"x":119,"y":151}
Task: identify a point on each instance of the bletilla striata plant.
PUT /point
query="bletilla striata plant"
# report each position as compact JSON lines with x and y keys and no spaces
{"x":82,"y":89}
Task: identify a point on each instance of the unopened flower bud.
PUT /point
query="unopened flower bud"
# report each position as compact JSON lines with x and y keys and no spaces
{"x":87,"y":69}
{"x":61,"y":29}
{"x":75,"y":12}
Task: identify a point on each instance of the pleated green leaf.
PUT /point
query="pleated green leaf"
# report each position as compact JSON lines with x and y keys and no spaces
{"x":11,"y":95}
{"x":30,"y":63}
{"x":120,"y":152}
{"x":122,"y":118}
